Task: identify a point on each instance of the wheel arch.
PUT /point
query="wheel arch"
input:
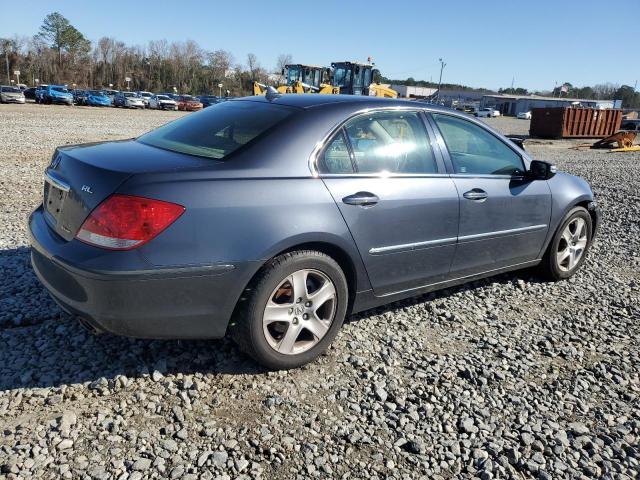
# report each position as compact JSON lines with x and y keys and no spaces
{"x":353,"y":271}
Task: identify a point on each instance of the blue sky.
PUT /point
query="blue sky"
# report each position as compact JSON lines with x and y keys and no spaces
{"x":484,"y":43}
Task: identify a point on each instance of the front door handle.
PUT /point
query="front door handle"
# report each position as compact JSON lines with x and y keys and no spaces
{"x":364,"y":199}
{"x":476,"y":194}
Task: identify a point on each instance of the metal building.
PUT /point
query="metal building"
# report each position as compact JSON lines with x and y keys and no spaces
{"x":514,"y":104}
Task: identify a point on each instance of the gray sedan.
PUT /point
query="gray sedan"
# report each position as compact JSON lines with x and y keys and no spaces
{"x":272,"y":218}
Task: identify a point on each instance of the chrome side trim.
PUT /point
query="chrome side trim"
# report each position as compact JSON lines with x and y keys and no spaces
{"x":56,"y":182}
{"x":500,"y":233}
{"x":444,"y":241}
{"x":411,"y":246}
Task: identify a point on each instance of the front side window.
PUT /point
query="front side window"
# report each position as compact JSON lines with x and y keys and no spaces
{"x":219,"y":130}
{"x":474,"y":150}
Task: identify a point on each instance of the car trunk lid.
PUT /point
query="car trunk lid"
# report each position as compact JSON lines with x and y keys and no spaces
{"x":80,"y":177}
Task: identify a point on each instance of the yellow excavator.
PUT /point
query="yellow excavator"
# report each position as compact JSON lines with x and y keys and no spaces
{"x":302,"y":79}
{"x":355,"y":78}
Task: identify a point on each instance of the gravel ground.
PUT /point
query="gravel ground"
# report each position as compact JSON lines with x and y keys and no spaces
{"x":509,"y":377}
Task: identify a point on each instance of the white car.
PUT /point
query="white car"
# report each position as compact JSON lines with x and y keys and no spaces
{"x":487,"y":112}
{"x":162,"y":102}
{"x":145,"y":96}
{"x":524,"y":115}
{"x":127,"y":100}
{"x":11,"y":94}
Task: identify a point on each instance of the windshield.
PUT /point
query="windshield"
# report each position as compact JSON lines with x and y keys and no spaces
{"x":163,"y":97}
{"x":129,"y":94}
{"x":95,"y":93}
{"x":293,"y":74}
{"x":341,"y":76}
{"x":60,"y":89}
{"x":144,"y":94}
{"x":311,"y":76}
{"x":219,"y":130}
{"x":10,"y":89}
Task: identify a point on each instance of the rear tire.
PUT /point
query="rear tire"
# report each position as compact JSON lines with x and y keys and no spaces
{"x":569,"y":246}
{"x":276,"y":321}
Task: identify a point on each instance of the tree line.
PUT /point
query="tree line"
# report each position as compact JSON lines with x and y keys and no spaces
{"x":60,"y":54}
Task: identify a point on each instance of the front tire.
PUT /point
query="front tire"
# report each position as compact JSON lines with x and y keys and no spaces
{"x":569,"y":246}
{"x":292,"y":310}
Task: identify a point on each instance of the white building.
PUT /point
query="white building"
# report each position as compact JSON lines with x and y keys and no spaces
{"x":406,"y":91}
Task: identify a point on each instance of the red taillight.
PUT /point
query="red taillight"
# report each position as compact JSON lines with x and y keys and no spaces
{"x":123,"y":222}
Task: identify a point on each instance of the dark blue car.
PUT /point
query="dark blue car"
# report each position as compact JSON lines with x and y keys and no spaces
{"x":208,"y":100}
{"x":272,"y":218}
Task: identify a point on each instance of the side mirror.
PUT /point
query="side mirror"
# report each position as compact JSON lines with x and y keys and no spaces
{"x":541,"y":170}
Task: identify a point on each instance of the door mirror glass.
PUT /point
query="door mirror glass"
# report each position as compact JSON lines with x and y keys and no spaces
{"x":540,"y":170}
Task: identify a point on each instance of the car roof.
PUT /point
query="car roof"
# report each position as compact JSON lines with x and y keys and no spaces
{"x":306,"y":101}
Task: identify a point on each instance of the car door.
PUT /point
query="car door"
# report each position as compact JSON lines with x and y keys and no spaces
{"x":389,"y":181}
{"x":504,"y":216}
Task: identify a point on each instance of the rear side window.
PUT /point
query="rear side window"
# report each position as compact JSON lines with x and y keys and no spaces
{"x":219,"y":130}
{"x":381,"y":142}
{"x":474,"y":150}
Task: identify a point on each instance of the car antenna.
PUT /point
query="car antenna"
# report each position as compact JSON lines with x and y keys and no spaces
{"x":272,"y":94}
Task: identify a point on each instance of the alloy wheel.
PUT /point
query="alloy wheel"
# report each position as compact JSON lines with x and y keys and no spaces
{"x":299,"y":312}
{"x":572,"y":244}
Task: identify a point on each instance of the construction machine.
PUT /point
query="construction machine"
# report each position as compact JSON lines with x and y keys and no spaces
{"x":302,"y":79}
{"x":355,"y":78}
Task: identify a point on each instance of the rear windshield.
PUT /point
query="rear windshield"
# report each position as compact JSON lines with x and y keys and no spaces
{"x":10,"y":89}
{"x":219,"y":130}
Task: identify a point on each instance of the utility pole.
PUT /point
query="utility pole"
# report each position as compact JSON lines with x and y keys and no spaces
{"x":442,"y":65}
{"x":6,"y":58}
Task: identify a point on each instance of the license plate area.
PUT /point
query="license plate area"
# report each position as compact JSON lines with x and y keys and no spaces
{"x":55,"y":193}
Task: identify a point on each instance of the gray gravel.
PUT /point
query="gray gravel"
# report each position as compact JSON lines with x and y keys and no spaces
{"x":508,"y":377}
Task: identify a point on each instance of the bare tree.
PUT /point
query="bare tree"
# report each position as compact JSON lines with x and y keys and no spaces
{"x":284,"y":59}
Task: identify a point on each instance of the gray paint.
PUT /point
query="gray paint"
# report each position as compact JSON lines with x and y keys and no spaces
{"x":421,"y":235}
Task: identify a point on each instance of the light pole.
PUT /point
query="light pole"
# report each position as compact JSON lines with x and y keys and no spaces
{"x":220,"y":89}
{"x":442,"y":65}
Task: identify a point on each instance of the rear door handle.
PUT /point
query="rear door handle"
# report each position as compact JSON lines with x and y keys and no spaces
{"x":364,"y":199}
{"x":476,"y":194}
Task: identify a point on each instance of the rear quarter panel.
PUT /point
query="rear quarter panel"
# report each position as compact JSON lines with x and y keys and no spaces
{"x":243,"y":220}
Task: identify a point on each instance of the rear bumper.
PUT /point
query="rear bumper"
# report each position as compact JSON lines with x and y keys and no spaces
{"x":182,"y":302}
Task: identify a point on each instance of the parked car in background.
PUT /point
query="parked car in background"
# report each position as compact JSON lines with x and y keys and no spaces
{"x":208,"y":100}
{"x":145,"y":96}
{"x":631,"y":125}
{"x":11,"y":94}
{"x":127,"y":100}
{"x":164,"y":236}
{"x":97,"y":98}
{"x":30,"y":93}
{"x":189,"y":103}
{"x":524,"y":115}
{"x":162,"y":102}
{"x":79,"y":96}
{"x":487,"y":112}
{"x":58,"y":94}
{"x":111,"y":94}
